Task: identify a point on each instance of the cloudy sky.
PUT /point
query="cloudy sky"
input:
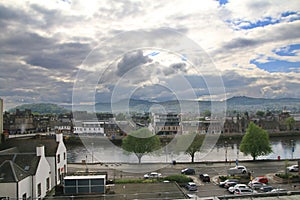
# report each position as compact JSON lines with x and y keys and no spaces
{"x":78,"y":51}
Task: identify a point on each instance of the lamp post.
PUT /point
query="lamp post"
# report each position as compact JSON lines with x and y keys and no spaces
{"x":293,"y":148}
{"x":225,"y":151}
{"x":92,"y":152}
{"x":237,"y":154}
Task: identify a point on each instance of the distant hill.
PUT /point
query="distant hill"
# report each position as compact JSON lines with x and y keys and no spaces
{"x":42,"y":108}
{"x":238,"y":103}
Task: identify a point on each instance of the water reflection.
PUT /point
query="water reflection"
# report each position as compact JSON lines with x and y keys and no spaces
{"x":286,"y":148}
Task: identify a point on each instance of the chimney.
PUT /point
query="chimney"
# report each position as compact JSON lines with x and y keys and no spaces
{"x":59,"y":137}
{"x":40,"y":150}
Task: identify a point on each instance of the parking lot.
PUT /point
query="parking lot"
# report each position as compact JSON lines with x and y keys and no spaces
{"x":214,"y":170}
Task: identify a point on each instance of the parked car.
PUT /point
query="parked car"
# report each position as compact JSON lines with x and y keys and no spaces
{"x":222,"y":184}
{"x":191,"y":186}
{"x":278,"y":190}
{"x":188,"y":171}
{"x":204,"y":178}
{"x":261,"y":179}
{"x":243,"y":191}
{"x":237,"y":186}
{"x":230,"y":184}
{"x":237,"y":170}
{"x":152,"y":175}
{"x":293,"y":168}
{"x":266,"y":188}
{"x":255,"y":185}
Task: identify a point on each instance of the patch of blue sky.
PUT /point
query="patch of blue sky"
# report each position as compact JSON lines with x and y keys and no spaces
{"x":289,"y":16}
{"x":277,"y":66}
{"x":287,"y":50}
{"x":223,"y":2}
{"x":154,"y":53}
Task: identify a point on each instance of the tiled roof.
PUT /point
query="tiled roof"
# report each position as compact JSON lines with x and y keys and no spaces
{"x":11,"y":172}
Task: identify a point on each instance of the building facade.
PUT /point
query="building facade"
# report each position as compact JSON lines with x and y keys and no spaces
{"x":1,"y":120}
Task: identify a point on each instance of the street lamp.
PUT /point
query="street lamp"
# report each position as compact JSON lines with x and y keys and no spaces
{"x":92,"y":152}
{"x":293,"y":148}
{"x":225,"y":151}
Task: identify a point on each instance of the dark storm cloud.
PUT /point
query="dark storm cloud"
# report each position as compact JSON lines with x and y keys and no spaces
{"x":130,"y":61}
{"x":234,"y":80}
{"x":62,"y":56}
{"x":238,"y":43}
{"x":175,"y":68}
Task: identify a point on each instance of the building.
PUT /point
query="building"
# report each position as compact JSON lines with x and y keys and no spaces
{"x":25,"y":175}
{"x":166,"y":124}
{"x":74,"y":185}
{"x":89,"y":128}
{"x":54,"y":148}
{"x":1,"y":120}
{"x":19,"y":122}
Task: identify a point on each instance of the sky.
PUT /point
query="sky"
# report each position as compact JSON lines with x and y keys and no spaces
{"x":81,"y":52}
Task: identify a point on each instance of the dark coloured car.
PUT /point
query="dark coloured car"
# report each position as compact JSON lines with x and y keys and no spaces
{"x":188,"y":171}
{"x":204,"y":178}
{"x":266,"y":188}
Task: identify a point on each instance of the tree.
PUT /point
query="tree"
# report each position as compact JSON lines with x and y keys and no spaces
{"x":290,"y":123}
{"x":195,"y":146}
{"x":260,"y":113}
{"x":255,"y":142}
{"x":141,"y":142}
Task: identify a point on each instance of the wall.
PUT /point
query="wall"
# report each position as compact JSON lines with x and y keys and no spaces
{"x":25,"y":186}
{"x":1,"y":119}
{"x":8,"y":190}
{"x":42,"y":173}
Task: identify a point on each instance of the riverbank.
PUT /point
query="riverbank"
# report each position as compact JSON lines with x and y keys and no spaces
{"x":228,"y":137}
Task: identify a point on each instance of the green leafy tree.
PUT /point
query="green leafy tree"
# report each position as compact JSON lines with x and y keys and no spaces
{"x":195,"y":146}
{"x":290,"y":123}
{"x":141,"y":142}
{"x":195,"y":140}
{"x":255,"y":142}
{"x":260,"y":113}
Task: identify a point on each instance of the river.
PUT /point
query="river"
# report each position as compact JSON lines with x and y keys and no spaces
{"x":103,"y":151}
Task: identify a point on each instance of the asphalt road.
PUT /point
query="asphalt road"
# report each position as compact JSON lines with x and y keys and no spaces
{"x":258,"y":168}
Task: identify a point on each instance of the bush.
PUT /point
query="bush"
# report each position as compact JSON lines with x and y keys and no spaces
{"x":287,"y":176}
{"x":179,"y":178}
{"x":124,"y":181}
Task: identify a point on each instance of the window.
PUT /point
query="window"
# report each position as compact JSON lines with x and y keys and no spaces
{"x":39,"y":190}
{"x":24,"y":196}
{"x":58,"y":158}
{"x":48,"y":184}
{"x":64,"y":155}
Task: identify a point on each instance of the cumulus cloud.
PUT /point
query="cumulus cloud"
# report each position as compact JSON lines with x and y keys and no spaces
{"x":47,"y":42}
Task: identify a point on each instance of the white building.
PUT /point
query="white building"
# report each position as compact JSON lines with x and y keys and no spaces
{"x":89,"y":127}
{"x":25,"y":176}
{"x":42,"y":158}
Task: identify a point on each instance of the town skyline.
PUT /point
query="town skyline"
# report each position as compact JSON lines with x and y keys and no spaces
{"x":253,"y":47}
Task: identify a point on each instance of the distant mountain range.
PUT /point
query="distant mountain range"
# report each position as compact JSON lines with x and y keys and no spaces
{"x":239,"y":103}
{"x":42,"y":108}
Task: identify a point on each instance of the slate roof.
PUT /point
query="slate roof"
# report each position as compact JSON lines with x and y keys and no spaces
{"x":27,"y":162}
{"x":11,"y":172}
{"x":29,"y":144}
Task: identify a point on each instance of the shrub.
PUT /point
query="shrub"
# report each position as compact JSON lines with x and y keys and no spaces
{"x":179,"y":178}
{"x":287,"y":176}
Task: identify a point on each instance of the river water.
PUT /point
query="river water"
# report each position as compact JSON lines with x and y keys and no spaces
{"x":103,"y":151}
